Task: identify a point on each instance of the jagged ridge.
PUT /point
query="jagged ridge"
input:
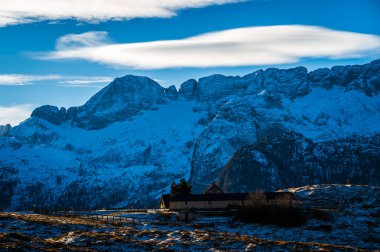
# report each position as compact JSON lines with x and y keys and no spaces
{"x":126,"y":96}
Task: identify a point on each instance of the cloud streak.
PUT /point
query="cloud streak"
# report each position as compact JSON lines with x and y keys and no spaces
{"x":15,"y":114}
{"x":264,"y":45}
{"x":20,"y":79}
{"x":13,"y":12}
{"x":66,"y":81}
{"x":93,"y":82}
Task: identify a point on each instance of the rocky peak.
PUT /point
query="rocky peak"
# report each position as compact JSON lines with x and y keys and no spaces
{"x":130,"y":90}
{"x":188,"y":89}
{"x":171,"y":92}
{"x":50,"y":113}
{"x":122,"y":98}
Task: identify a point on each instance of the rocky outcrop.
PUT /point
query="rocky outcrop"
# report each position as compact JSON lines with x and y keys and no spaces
{"x":51,"y":114}
{"x":4,"y":129}
{"x":188,"y":88}
{"x":291,"y":160}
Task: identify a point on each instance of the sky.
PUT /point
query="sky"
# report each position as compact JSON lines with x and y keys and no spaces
{"x":61,"y":52}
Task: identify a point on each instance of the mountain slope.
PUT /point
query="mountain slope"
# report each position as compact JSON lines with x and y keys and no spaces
{"x":131,"y":139}
{"x":117,"y":165}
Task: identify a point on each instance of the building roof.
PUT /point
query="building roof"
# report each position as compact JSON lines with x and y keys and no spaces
{"x":225,"y":196}
{"x":213,"y":189}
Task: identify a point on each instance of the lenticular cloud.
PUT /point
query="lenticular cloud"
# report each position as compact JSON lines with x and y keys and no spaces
{"x":14,"y":12}
{"x":236,"y":47}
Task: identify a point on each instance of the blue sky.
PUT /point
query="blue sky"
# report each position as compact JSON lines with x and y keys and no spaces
{"x":46,"y":57}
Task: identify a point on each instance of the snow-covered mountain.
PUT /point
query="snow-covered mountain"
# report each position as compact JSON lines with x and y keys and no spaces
{"x":131,"y":139}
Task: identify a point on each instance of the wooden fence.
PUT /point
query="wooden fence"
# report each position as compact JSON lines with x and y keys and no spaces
{"x":108,"y":217}
{"x":135,"y":220}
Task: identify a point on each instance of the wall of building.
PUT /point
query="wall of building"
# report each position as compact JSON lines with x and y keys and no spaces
{"x":204,"y":204}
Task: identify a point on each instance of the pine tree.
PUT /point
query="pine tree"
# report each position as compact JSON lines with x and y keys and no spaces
{"x":181,"y":188}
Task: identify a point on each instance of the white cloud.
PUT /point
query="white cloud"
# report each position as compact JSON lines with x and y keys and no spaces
{"x":15,"y":114}
{"x":65,"y":81}
{"x":85,"y":39}
{"x":237,"y":47}
{"x":14,"y":12}
{"x":83,"y":81}
{"x":20,"y":79}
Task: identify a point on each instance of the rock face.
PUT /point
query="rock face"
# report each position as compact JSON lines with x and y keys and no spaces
{"x":217,"y":86}
{"x":290,"y":82}
{"x":249,"y":170}
{"x":290,"y":160}
{"x":270,"y":129}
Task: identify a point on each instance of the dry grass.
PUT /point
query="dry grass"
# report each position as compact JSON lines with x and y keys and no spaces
{"x":51,"y":220}
{"x":94,"y":238}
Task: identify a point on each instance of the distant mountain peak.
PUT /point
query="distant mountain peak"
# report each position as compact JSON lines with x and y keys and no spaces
{"x":119,"y":100}
{"x":129,"y":95}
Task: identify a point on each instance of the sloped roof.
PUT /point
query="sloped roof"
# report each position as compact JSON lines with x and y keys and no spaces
{"x":211,"y":188}
{"x":226,"y":196}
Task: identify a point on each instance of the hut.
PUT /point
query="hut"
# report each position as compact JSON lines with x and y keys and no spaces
{"x":215,"y":199}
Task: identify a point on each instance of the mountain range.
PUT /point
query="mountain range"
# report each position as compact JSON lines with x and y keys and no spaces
{"x":268,"y":130}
